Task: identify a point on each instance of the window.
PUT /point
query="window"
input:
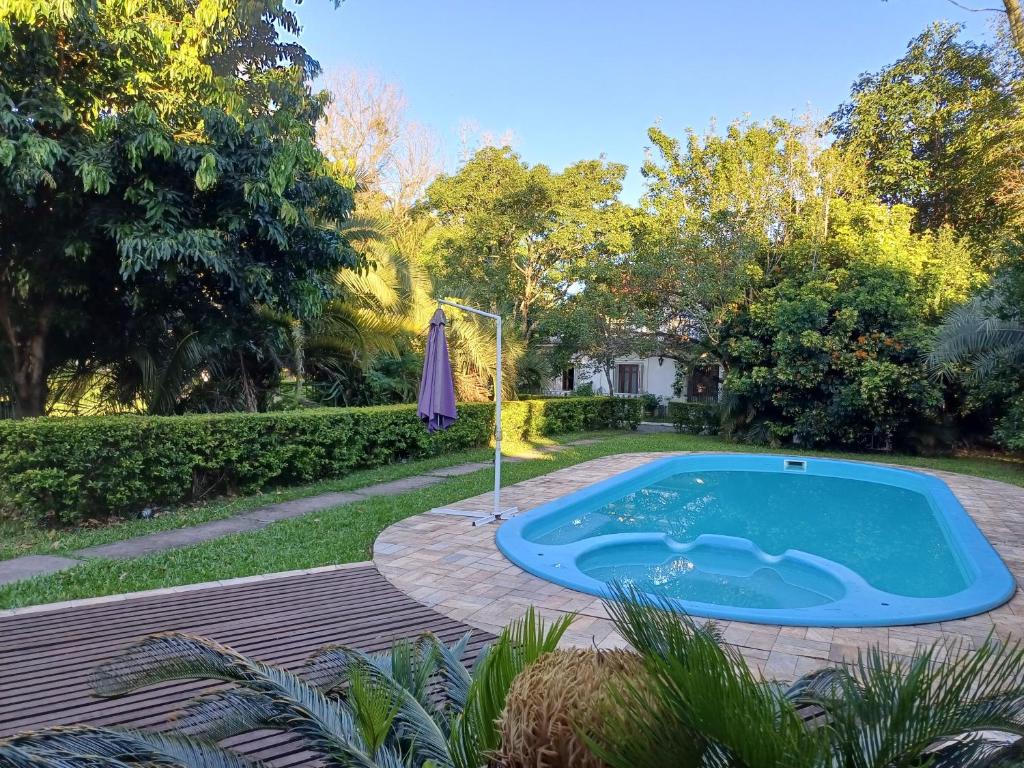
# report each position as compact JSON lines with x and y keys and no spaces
{"x":568,"y":379}
{"x":628,"y":379}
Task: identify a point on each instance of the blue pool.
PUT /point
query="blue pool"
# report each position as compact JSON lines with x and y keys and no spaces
{"x":773,"y":539}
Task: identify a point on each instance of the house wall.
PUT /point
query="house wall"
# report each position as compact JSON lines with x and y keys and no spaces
{"x":655,"y":378}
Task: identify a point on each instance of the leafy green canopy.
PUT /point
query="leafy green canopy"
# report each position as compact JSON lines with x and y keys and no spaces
{"x":926,"y":127}
{"x":160,"y":175}
{"x":764,"y":251}
{"x":512,"y":235}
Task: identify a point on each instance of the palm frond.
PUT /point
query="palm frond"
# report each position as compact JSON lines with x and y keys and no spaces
{"x":361,"y":229}
{"x":885,"y":711}
{"x":474,"y":733}
{"x":415,"y":722}
{"x":698,"y":704}
{"x":229,"y":713}
{"x":454,"y":674}
{"x":86,"y":747}
{"x":170,"y":656}
{"x":375,"y":707}
{"x":326,"y":723}
{"x":977,"y":337}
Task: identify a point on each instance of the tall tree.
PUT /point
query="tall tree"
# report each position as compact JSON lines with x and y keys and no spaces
{"x":367,"y":345}
{"x":1015,"y":19}
{"x":159,"y":166}
{"x":762,"y":250}
{"x":724,"y":212}
{"x":924,"y":128}
{"x":512,"y":233}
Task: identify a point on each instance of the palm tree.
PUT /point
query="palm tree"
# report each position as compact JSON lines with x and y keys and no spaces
{"x":700,"y":704}
{"x":417,"y":705}
{"x":383,"y":312}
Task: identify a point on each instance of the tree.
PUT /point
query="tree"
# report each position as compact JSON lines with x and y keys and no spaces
{"x":595,"y":325}
{"x":366,"y":133}
{"x":367,"y":346}
{"x":511,"y":234}
{"x":724,"y":215}
{"x":924,"y":128}
{"x":159,"y":164}
{"x":763,"y":251}
{"x":981,"y":344}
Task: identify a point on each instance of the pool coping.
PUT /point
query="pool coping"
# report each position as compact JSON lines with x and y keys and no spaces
{"x":457,"y":569}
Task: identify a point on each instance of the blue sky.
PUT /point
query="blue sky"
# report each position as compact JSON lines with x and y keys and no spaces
{"x":572,"y":79}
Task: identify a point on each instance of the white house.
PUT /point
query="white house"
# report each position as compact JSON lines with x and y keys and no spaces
{"x":633,"y":376}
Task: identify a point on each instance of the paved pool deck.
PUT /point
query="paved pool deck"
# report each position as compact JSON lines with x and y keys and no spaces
{"x":448,"y":564}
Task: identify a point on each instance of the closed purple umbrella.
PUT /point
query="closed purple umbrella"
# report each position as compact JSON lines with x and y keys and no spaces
{"x":437,"y":389}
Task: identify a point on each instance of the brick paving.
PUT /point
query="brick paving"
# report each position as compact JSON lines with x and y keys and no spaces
{"x":446,"y":563}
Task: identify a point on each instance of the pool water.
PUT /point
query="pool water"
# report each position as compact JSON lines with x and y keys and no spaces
{"x":763,"y":538}
{"x":908,"y":554}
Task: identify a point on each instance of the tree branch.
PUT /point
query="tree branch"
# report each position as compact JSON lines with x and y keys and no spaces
{"x":963,"y":7}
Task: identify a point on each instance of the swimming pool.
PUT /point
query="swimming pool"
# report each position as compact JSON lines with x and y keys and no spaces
{"x":770,"y":539}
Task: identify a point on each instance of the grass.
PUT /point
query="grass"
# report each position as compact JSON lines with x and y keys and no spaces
{"x":346,"y":533}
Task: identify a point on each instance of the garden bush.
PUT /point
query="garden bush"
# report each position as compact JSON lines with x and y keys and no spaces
{"x":694,"y":418}
{"x":69,"y":470}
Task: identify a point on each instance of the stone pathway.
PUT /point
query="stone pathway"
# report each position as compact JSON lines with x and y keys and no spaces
{"x":26,"y":567}
{"x":454,"y":567}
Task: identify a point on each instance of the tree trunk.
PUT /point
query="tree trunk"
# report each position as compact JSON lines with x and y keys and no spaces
{"x":1016,"y":16}
{"x":27,"y":341}
{"x":30,"y":390}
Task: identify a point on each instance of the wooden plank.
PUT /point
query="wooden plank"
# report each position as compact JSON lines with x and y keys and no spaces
{"x":46,"y":659}
{"x":48,"y":627}
{"x":296,"y":617}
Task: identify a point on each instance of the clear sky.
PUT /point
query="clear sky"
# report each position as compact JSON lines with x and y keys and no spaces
{"x":575,"y":79}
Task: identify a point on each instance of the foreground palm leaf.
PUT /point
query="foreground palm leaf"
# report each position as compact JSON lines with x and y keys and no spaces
{"x":82,"y":747}
{"x":702,"y":706}
{"x":415,"y":706}
{"x":950,"y":705}
{"x":475,"y":734}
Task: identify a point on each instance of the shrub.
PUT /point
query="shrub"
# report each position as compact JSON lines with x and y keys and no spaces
{"x":1010,"y":428}
{"x":650,"y":403}
{"x":73,"y":469}
{"x":832,"y":360}
{"x":694,"y":418}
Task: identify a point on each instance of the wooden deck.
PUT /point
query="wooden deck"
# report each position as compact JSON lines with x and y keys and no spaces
{"x":46,"y":658}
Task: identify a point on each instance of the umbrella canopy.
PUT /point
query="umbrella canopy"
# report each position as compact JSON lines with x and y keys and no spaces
{"x":437,"y":389}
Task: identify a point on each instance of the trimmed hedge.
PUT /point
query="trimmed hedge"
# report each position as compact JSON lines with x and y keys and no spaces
{"x":72,"y":469}
{"x":694,"y":418}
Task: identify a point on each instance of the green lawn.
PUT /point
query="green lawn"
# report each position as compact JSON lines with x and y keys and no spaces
{"x":346,"y":533}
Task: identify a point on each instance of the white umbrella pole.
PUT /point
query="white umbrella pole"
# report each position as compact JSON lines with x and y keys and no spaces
{"x":498,"y":513}
{"x":497,"y":430}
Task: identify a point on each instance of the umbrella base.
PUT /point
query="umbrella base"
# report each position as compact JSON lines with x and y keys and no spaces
{"x":479,"y":518}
